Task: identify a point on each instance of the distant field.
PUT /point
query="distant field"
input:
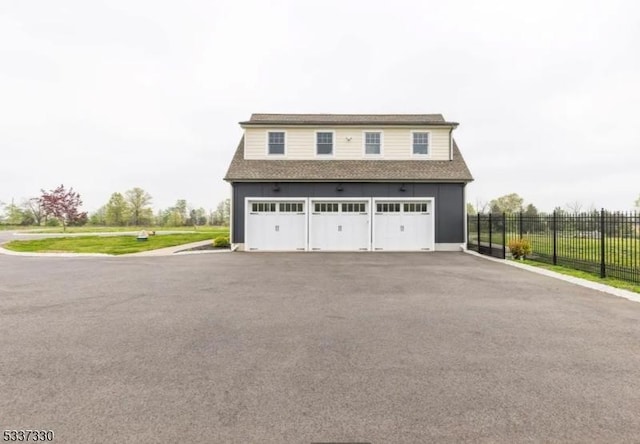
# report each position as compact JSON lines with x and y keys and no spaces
{"x":108,"y":245}
{"x":102,"y":229}
{"x":11,"y":227}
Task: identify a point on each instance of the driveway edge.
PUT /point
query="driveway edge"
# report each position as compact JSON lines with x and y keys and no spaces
{"x":29,"y":254}
{"x":630,"y":295}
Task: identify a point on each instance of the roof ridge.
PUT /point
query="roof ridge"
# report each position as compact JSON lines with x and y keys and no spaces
{"x":346,"y":119}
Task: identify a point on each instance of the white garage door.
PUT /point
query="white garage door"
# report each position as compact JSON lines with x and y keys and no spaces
{"x":403,"y":225}
{"x":339,"y":225}
{"x":276,"y":225}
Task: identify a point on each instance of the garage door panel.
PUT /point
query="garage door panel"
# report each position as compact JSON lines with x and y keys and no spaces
{"x":403,"y":226}
{"x":339,"y":226}
{"x":276,"y":226}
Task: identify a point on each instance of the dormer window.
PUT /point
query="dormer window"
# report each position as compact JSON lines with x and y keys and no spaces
{"x":420,"y":143}
{"x":276,"y":142}
{"x":372,"y":143}
{"x":324,"y":143}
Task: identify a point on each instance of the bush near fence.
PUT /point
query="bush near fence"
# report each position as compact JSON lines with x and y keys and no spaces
{"x":603,"y":242}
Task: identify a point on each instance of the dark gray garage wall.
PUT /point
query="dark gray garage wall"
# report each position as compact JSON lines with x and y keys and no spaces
{"x":449,"y":200}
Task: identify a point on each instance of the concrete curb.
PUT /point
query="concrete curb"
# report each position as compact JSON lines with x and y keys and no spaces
{"x":630,"y":295}
{"x":168,"y":251}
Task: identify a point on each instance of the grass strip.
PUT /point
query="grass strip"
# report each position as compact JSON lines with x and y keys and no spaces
{"x":107,"y":244}
{"x":613,"y":282}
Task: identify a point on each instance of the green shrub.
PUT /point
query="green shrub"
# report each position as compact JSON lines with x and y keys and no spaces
{"x":53,"y":222}
{"x":221,"y":242}
{"x":519,"y":248}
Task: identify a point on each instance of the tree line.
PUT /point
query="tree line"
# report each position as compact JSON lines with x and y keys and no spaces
{"x":62,"y":206}
{"x":513,"y":203}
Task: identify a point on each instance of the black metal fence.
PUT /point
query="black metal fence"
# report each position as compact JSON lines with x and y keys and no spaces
{"x":602,"y":242}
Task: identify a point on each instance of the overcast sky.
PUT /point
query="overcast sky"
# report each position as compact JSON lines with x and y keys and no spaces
{"x":108,"y":95}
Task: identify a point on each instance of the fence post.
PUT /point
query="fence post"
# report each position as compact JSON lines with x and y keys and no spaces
{"x":478,"y":232}
{"x":520,"y":225}
{"x":504,"y":235}
{"x":603,"y":265}
{"x":490,"y":246}
{"x":555,"y":238}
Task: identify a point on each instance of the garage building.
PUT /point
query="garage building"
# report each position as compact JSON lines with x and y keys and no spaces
{"x":337,"y":182}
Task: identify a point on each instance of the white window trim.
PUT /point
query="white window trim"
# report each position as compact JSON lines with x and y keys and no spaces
{"x":315,"y":142}
{"x":266,"y":150}
{"x":364,"y":143}
{"x":429,"y":145}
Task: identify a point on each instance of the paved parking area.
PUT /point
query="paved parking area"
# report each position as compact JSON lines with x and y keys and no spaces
{"x":301,"y":348}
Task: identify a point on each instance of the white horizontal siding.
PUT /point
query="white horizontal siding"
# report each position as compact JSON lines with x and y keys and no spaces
{"x":348,"y":143}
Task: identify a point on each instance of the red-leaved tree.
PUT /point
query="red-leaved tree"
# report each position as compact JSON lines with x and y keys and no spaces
{"x":64,"y":205}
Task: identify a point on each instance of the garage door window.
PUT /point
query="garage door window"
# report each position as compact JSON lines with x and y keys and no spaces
{"x":388,"y":207}
{"x":263,"y":207}
{"x":291,"y":207}
{"x":325,"y":207}
{"x":353,"y":207}
{"x":418,"y":207}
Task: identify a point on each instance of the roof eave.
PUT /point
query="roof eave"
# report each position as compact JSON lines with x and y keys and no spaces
{"x":448,"y":180}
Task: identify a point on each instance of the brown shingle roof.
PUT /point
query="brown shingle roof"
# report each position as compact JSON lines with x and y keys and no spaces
{"x":282,"y":170}
{"x":347,"y":119}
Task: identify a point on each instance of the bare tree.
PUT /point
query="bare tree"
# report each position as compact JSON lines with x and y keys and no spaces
{"x":482,"y":206}
{"x":574,"y":207}
{"x":33,"y":208}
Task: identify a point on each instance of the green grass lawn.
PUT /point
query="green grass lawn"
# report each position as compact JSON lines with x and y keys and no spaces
{"x":618,"y":251}
{"x":108,"y":244}
{"x":584,"y":275}
{"x":104,"y":229}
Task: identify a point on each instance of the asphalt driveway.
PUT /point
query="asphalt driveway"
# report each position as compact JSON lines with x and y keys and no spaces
{"x":301,"y":348}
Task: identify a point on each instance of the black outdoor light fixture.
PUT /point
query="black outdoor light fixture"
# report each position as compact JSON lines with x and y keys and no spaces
{"x":403,"y":188}
{"x":339,"y":187}
{"x":276,"y":186}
